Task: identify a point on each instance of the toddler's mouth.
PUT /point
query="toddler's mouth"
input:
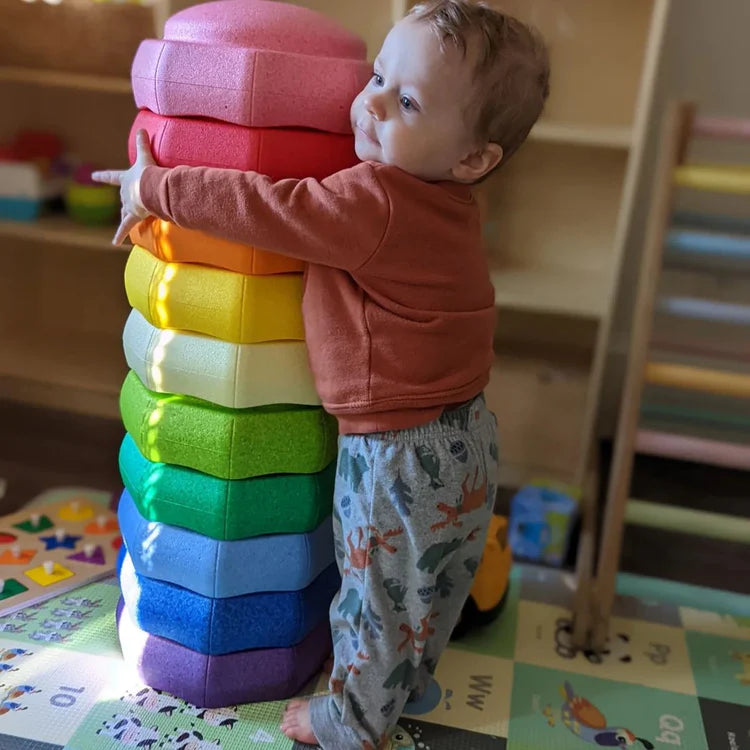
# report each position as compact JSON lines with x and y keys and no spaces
{"x":368,"y":135}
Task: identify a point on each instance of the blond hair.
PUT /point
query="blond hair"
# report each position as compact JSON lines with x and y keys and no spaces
{"x":512,"y":66}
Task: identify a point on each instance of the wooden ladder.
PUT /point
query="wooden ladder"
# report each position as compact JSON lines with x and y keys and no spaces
{"x":594,"y":602}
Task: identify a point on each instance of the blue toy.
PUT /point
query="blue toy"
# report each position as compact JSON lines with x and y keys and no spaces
{"x":542,"y":516}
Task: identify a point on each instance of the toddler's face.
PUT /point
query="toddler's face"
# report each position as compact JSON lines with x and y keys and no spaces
{"x":412,"y":113}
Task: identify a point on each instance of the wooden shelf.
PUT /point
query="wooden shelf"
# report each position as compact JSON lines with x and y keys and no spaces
{"x":539,"y":401}
{"x":71,"y":359}
{"x":63,"y":231}
{"x":555,"y":290}
{"x":371,"y":21}
{"x":63,"y":369}
{"x":597,"y":50}
{"x":61,"y":319}
{"x":87,"y":82}
{"x":550,"y":218}
{"x":602,"y":136}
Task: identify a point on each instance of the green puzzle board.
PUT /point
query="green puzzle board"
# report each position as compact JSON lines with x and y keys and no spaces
{"x":676,"y":675}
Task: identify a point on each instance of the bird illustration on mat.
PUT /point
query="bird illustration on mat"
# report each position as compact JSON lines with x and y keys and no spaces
{"x":586,"y":721}
{"x":399,"y":739}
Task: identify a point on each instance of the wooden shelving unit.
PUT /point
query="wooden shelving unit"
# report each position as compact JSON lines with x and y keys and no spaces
{"x":554,"y":290}
{"x":86,"y":377}
{"x":556,"y":220}
{"x":603,"y":136}
{"x":539,"y":401}
{"x":82,"y":81}
{"x":559,"y":213}
{"x":558,"y":202}
{"x":61,"y":232}
{"x":62,"y":301}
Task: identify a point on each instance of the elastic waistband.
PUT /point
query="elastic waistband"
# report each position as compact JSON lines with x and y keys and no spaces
{"x":464,"y":417}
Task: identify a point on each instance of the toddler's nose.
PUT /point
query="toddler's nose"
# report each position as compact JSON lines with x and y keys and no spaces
{"x":375,"y":106}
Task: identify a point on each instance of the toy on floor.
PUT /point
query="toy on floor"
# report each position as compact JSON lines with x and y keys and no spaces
{"x":542,"y":517}
{"x":46,"y":550}
{"x":491,"y":584}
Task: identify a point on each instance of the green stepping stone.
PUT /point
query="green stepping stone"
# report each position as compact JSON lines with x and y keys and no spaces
{"x":227,"y":443}
{"x":223,"y":508}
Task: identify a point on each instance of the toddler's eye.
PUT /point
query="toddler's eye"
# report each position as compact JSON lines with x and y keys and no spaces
{"x":377,"y":79}
{"x":406,"y":103}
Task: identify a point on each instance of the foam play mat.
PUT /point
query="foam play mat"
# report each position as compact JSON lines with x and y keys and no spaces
{"x":676,"y":674}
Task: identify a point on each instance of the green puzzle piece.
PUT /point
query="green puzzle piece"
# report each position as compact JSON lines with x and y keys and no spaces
{"x":11,"y":588}
{"x":27,"y":526}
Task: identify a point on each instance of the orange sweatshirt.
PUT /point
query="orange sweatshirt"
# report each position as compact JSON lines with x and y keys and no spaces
{"x":398,"y":304}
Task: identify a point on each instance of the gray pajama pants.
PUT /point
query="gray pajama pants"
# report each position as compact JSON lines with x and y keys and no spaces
{"x":411,"y":510}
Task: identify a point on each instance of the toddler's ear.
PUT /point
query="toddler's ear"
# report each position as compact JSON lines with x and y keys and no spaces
{"x":478,"y":163}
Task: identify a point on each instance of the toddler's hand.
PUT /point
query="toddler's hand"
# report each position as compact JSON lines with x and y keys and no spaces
{"x":129,"y":181}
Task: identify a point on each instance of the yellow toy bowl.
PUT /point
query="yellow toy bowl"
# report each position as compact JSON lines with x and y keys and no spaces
{"x":489,"y":592}
{"x":94,"y":205}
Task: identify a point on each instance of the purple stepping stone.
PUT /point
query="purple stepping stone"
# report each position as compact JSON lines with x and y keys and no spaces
{"x":265,"y":674}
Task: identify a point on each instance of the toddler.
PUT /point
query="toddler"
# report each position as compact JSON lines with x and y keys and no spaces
{"x":399,"y":316}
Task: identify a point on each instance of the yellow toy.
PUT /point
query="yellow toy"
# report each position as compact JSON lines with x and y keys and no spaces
{"x":488,"y":594}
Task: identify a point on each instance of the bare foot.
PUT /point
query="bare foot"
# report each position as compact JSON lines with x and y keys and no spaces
{"x":296,"y":723}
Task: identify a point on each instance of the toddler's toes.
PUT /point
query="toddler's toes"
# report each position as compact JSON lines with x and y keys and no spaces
{"x":296,"y":722}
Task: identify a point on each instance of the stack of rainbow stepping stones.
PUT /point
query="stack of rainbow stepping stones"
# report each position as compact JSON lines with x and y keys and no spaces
{"x":228,"y":567}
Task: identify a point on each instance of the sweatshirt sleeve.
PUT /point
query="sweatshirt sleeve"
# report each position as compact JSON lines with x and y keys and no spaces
{"x":339,"y":221}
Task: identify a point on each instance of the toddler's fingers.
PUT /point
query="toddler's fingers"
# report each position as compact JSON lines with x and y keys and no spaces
{"x":110,"y":177}
{"x":128,"y":222}
{"x":143,"y":148}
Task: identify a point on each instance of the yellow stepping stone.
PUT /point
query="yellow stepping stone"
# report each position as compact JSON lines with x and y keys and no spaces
{"x":230,"y":306}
